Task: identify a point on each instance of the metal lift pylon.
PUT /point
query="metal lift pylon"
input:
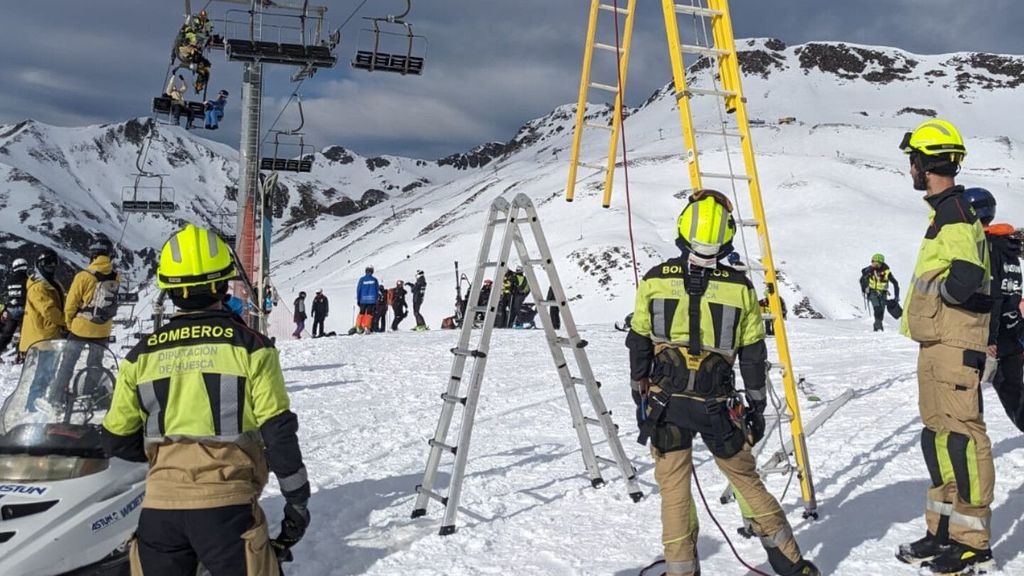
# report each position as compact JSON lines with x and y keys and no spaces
{"x":510,"y":217}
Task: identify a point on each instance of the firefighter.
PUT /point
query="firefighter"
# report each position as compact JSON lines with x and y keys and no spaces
{"x":874,"y":285}
{"x":947,"y":313}
{"x":684,"y":385}
{"x":203,"y":400}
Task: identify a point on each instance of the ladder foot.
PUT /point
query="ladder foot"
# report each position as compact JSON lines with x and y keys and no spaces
{"x":636,"y":496}
{"x":447,"y":530}
{"x":597,"y":482}
{"x":419,"y":512}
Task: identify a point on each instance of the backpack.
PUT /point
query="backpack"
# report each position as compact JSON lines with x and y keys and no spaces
{"x":103,"y":306}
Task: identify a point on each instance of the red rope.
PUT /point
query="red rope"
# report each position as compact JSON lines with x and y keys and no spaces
{"x":622,"y":132}
{"x":720,"y":529}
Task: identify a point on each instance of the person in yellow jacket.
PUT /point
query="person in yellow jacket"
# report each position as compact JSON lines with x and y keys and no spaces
{"x":947,"y":313}
{"x":203,"y":400}
{"x":43,"y":320}
{"x":694,"y":318}
{"x":89,"y":310}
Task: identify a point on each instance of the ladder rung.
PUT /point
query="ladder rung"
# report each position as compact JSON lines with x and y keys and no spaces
{"x":548,"y":303}
{"x":568,"y":343}
{"x":593,"y":166}
{"x":607,"y":47}
{"x":756,"y":267}
{"x":605,"y":87}
{"x":432,"y":494}
{"x":496,"y":222}
{"x":592,"y":421}
{"x":702,"y":50}
{"x":435,"y":444}
{"x":728,"y":133}
{"x":581,"y":382}
{"x":479,"y":308}
{"x":611,"y":8}
{"x":491,"y":264}
{"x":607,"y":461}
{"x":467,"y":353}
{"x":697,"y":11}
{"x":453,"y":399}
{"x":722,"y":176}
{"x":535,"y":262}
{"x":751,"y":222}
{"x":598,"y":126}
{"x":704,"y":92}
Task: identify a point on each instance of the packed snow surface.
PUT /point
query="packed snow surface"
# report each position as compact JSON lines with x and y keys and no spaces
{"x":368,"y":404}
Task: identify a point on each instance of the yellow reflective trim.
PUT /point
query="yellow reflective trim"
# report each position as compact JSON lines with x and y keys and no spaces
{"x":945,"y":464}
{"x":972,"y":471}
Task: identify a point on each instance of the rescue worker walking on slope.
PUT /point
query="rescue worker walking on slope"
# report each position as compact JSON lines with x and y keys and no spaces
{"x":874,"y":284}
{"x":203,"y":400}
{"x":947,"y":313}
{"x":693,"y":319}
{"x":1004,"y":366}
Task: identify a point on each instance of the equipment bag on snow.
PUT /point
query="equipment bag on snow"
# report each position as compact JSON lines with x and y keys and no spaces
{"x":103,"y":306}
{"x":894,"y":308}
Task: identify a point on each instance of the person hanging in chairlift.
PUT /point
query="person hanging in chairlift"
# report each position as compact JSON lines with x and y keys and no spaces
{"x":215,"y":110}
{"x":192,"y":41}
{"x":176,"y":92}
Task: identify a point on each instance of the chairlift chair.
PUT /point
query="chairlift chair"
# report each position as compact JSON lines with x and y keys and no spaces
{"x":407,"y":61}
{"x":140,"y":196}
{"x":294,"y":140}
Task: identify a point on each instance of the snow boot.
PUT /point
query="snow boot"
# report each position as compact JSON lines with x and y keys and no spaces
{"x":922,"y":550}
{"x":961,"y":560}
{"x":805,"y":568}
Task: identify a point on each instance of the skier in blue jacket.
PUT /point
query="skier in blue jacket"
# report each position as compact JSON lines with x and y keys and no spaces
{"x":215,"y":110}
{"x":366,"y":298}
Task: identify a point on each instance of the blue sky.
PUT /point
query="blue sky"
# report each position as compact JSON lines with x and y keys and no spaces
{"x":491,"y":64}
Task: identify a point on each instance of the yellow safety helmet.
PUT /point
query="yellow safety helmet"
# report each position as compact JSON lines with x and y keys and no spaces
{"x":936,"y":139}
{"x":194,"y":256}
{"x":706,"y":226}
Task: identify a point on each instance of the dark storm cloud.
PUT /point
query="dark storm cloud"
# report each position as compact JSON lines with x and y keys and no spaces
{"x":491,"y":64}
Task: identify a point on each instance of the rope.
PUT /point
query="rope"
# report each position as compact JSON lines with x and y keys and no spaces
{"x":352,"y":15}
{"x":728,"y":541}
{"x":625,"y":159}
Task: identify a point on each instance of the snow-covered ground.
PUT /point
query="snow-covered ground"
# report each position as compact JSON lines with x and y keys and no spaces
{"x":368,"y":404}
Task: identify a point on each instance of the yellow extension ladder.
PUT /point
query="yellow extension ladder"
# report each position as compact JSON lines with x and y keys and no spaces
{"x":711,"y":17}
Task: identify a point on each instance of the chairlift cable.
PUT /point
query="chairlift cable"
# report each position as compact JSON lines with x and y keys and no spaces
{"x":352,"y":15}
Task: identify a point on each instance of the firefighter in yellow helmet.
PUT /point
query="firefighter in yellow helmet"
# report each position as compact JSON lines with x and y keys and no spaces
{"x":203,"y":400}
{"x":694,"y":318}
{"x":947,"y":313}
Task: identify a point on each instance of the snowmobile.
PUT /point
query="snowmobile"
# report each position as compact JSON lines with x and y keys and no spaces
{"x":65,"y":508}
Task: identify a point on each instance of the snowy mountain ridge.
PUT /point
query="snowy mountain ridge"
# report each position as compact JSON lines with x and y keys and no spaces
{"x":839,"y":159}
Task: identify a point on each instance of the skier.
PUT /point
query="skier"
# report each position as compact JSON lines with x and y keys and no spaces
{"x":1005,"y":353}
{"x":380,"y":311}
{"x":874,"y":285}
{"x":520,"y":290}
{"x":299,"y":315}
{"x":215,"y":110}
{"x":211,"y":435}
{"x":505,"y":316}
{"x":15,"y":295}
{"x":396,"y":297}
{"x":419,"y":289}
{"x":235,"y":305}
{"x":89,"y":309}
{"x":43,"y":320}
{"x":556,"y":318}
{"x":683,"y":384}
{"x":947,"y":312}
{"x":319,"y":309}
{"x":367,"y":292}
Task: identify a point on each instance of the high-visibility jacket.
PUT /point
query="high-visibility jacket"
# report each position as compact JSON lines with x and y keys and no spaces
{"x":44,"y":312}
{"x":80,"y":295}
{"x":730,"y":320}
{"x":948,"y":300}
{"x":205,"y":396}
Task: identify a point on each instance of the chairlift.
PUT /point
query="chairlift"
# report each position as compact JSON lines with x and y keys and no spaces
{"x":293,"y":140}
{"x":144,"y":197}
{"x":407,"y":61}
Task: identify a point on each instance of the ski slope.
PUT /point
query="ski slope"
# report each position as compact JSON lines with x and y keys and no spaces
{"x":367,"y":405}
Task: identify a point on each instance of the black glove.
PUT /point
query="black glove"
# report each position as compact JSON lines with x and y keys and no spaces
{"x":755,"y":427}
{"x":293,"y":528}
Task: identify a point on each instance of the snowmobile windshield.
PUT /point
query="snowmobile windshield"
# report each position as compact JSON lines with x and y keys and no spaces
{"x":64,"y":392}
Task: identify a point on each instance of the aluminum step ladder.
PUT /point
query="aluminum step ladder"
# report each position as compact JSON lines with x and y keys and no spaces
{"x":509,"y":219}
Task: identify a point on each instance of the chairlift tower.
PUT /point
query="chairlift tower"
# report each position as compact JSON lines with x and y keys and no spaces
{"x":283,"y":32}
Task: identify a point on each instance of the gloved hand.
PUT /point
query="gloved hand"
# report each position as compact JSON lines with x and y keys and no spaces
{"x":755,"y":426}
{"x":293,"y":528}
{"x":640,"y":388}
